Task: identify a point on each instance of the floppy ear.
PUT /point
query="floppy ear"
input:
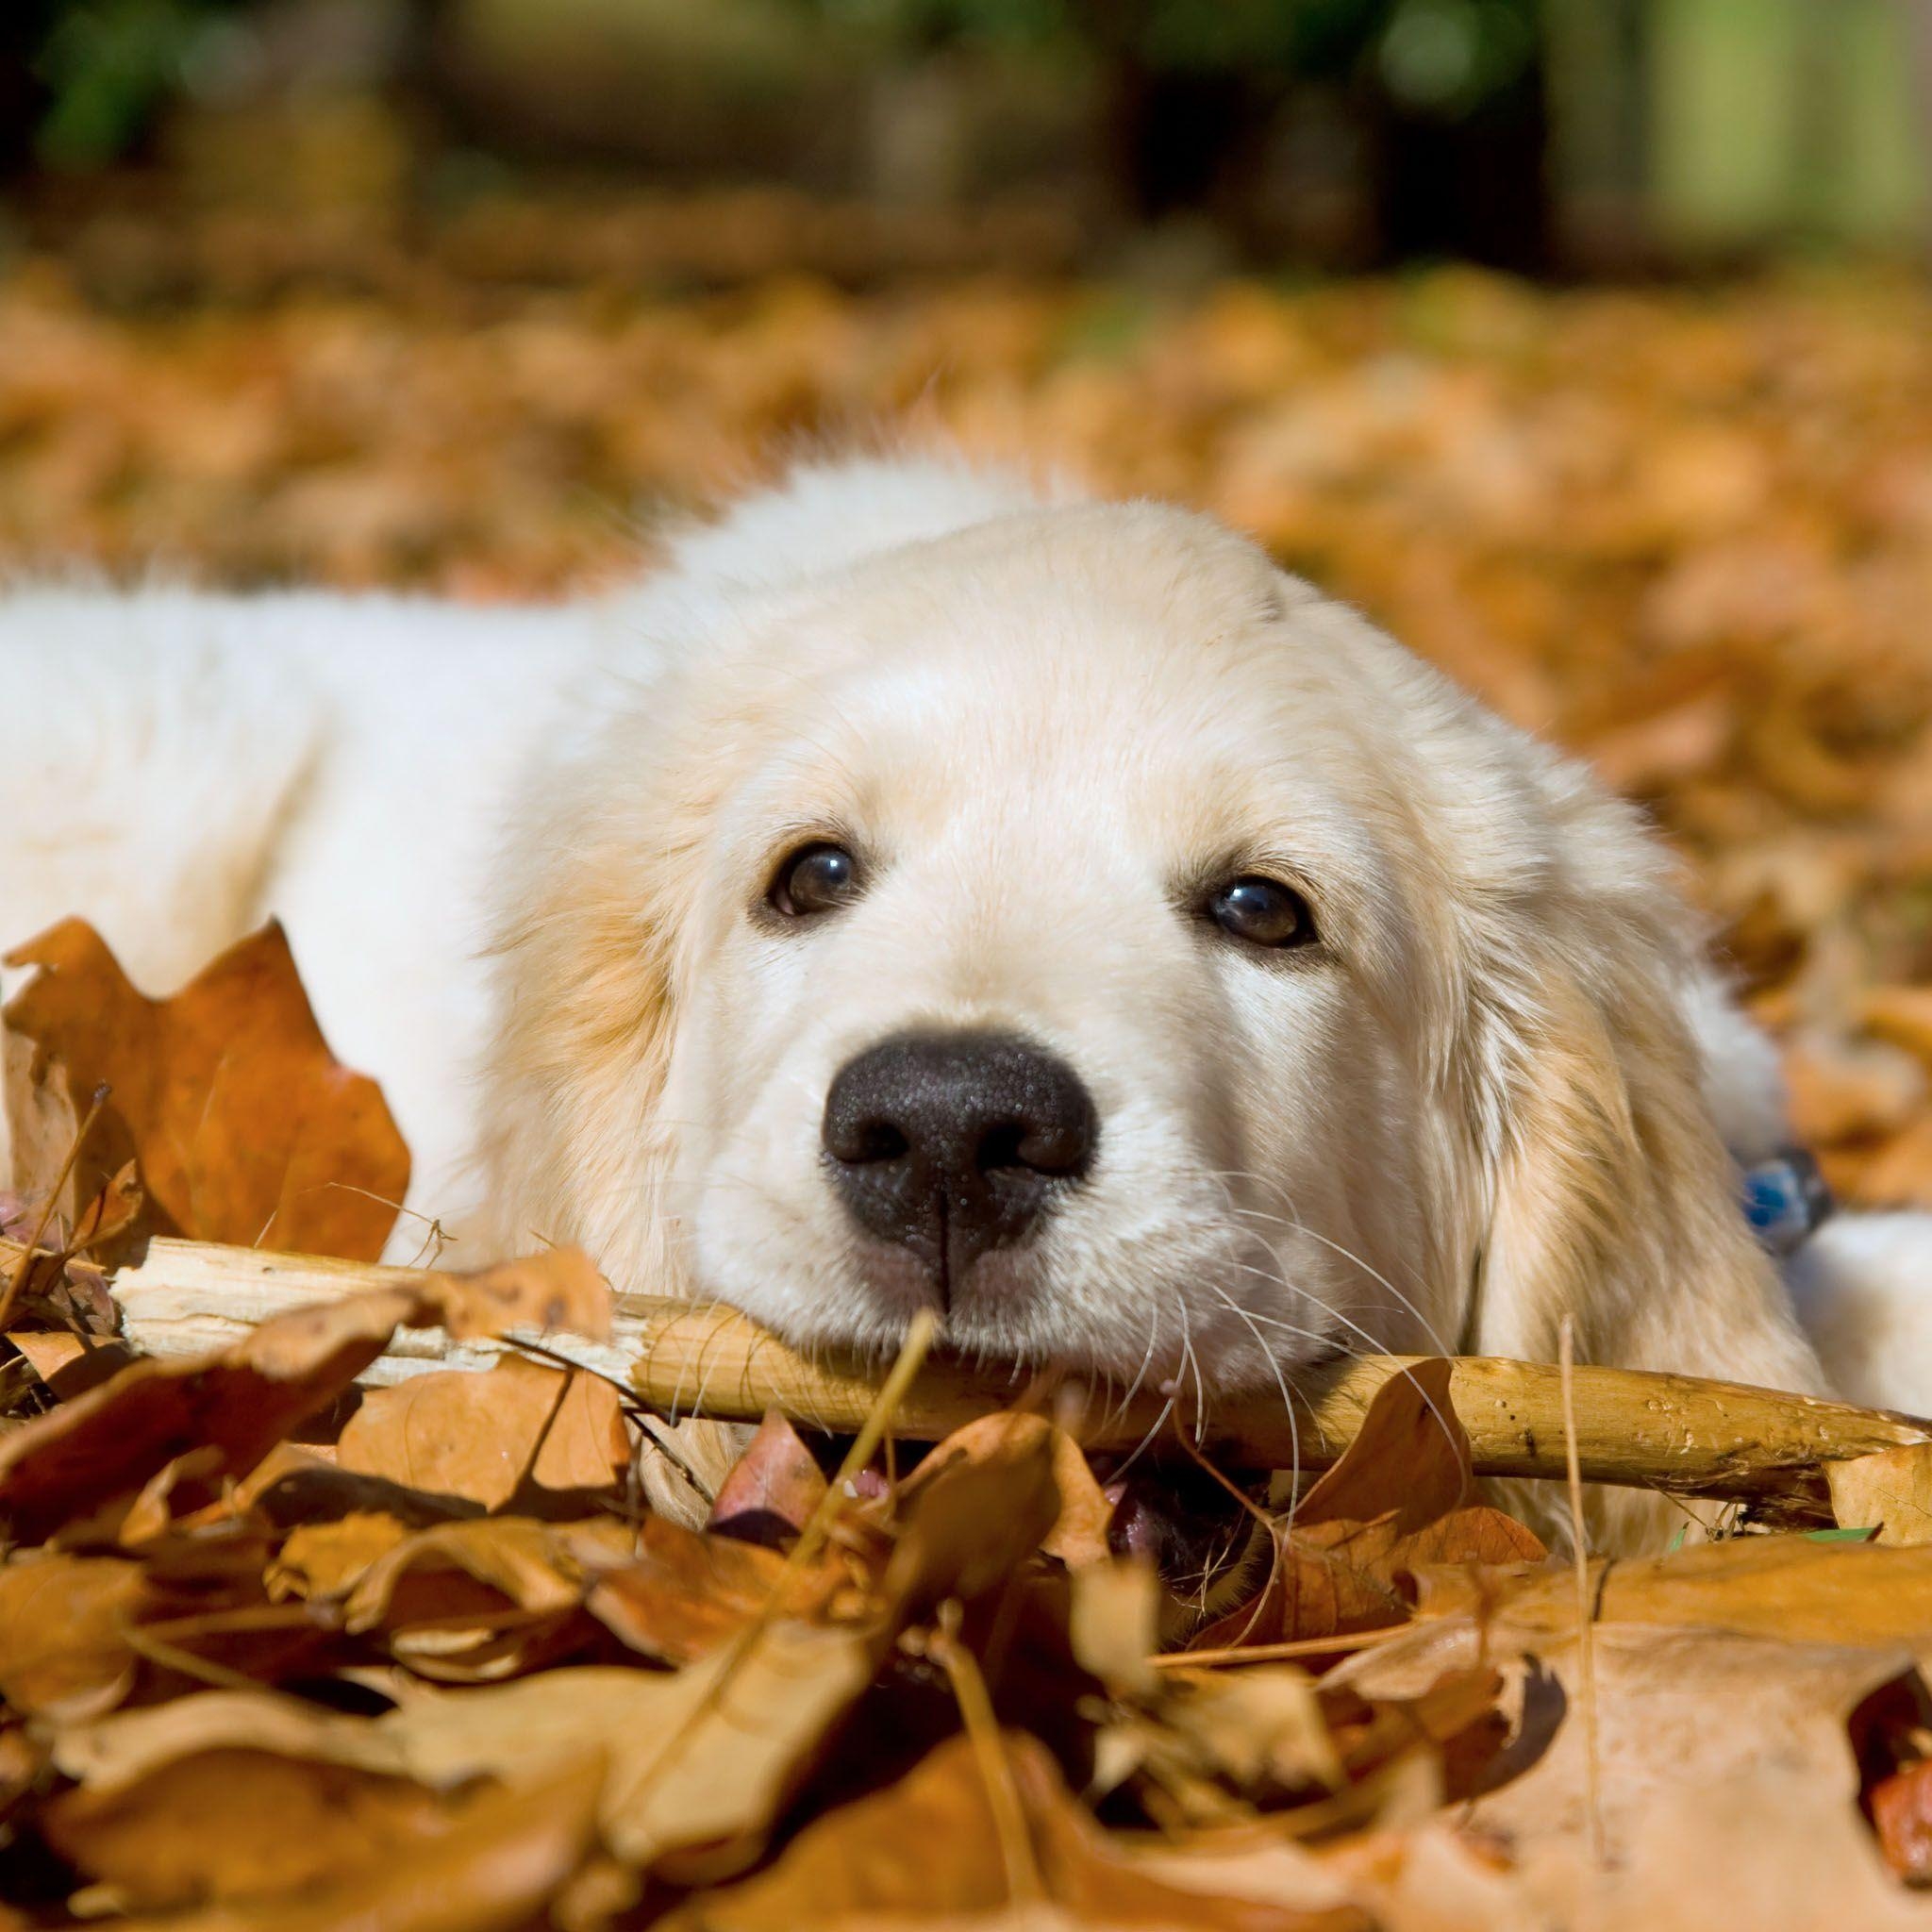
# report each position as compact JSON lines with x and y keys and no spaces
{"x":1611,"y":1196}
{"x":575,"y":1147}
{"x":575,"y":1066}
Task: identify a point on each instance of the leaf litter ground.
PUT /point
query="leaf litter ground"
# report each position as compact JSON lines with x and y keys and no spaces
{"x":277,"y":1652}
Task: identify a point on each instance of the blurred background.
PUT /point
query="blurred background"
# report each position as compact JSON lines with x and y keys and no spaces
{"x":1586,"y":343}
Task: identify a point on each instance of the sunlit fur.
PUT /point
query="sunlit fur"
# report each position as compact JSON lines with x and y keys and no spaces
{"x":1503,"y":1087}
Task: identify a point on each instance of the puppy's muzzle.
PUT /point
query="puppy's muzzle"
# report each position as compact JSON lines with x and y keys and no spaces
{"x":950,"y":1144}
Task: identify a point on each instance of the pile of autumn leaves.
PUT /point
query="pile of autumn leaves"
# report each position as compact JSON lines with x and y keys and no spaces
{"x":278,"y":1650}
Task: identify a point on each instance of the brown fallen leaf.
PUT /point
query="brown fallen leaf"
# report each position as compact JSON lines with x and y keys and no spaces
{"x":1401,"y":1496}
{"x":1903,"y":1015}
{"x":109,"y":1215}
{"x":1890,"y":1493}
{"x":1788,"y":1587}
{"x":683,"y":1593}
{"x":1841,"y":1092}
{"x":284,"y":1823}
{"x":1899,"y":1173}
{"x":244,"y":1400}
{"x":63,"y":1633}
{"x":1746,"y":1735}
{"x":1113,"y":1623}
{"x":70,"y":1365}
{"x":978,"y":1504}
{"x":771,"y":1489}
{"x":329,"y":1558}
{"x":699,"y":1761}
{"x":246,"y":1128}
{"x":696,"y":1762}
{"x":476,"y":1601}
{"x":511,"y":1850}
{"x":931,"y":1849}
{"x":41,"y":1124}
{"x":560,"y":1289}
{"x":483,"y":1437}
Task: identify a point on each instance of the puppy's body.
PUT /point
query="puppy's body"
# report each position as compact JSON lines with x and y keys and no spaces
{"x":532,"y":866}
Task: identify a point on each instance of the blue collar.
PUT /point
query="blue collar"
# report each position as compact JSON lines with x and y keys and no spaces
{"x":1786,"y":1198}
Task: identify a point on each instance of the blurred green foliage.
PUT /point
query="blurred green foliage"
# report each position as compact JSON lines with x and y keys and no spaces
{"x":1447,"y":56}
{"x":101,"y":69}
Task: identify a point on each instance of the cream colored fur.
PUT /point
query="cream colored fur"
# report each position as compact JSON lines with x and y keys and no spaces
{"x":521,"y":857}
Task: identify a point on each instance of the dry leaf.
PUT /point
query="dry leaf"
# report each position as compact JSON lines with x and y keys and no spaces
{"x":1682,"y":1713}
{"x":682,"y":1594}
{"x":1400,"y":1497}
{"x":1789,"y":1587}
{"x":477,"y":1601}
{"x":1890,"y":1493}
{"x":246,"y":1128}
{"x":1113,"y":1624}
{"x":700,"y":1761}
{"x":482,"y":1436}
{"x":771,"y":1489}
{"x":328,"y":1559}
{"x":41,"y":1124}
{"x":929,"y":1850}
{"x":244,"y":1400}
{"x":511,"y":1850}
{"x":980,"y":1503}
{"x":63,"y":1624}
{"x":283,"y":1823}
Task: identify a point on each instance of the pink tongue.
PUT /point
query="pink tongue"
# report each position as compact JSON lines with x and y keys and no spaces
{"x":1135,"y":1529}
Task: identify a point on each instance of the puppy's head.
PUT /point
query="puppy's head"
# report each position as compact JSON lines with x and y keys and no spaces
{"x":1075,"y":927}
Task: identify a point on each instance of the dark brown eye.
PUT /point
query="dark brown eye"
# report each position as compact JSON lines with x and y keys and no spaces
{"x":816,"y":878}
{"x":1263,"y":912}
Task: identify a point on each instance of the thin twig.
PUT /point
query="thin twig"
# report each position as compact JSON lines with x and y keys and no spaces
{"x":1024,"y":1885}
{"x":1586,"y":1623}
{"x":1275,"y":1653}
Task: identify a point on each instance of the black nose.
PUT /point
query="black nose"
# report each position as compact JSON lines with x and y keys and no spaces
{"x":952,"y":1143}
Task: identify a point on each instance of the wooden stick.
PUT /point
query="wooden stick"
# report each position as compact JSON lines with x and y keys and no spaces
{"x":1677,"y":1433}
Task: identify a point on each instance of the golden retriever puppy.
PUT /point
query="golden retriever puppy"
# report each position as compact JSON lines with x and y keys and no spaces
{"x":929,"y":894}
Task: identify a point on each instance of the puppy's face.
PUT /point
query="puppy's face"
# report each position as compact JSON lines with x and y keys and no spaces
{"x":1076,"y":928}
{"x":1050,"y":960}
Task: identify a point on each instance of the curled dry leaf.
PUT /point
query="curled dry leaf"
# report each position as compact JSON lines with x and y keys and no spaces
{"x":682,"y":1594}
{"x":245,"y":1127}
{"x":63,"y":1633}
{"x":699,"y":1761}
{"x":482,"y":1600}
{"x":110,"y":1214}
{"x":39,"y":1126}
{"x":70,"y":1364}
{"x":1789,"y":1587}
{"x":1684,"y":1713}
{"x":328,"y":1559}
{"x":510,"y":1852}
{"x":245,"y":1399}
{"x":981,"y":1503}
{"x":284,"y":1823}
{"x":931,"y":1847}
{"x":1401,"y":1496}
{"x":772,"y":1488}
{"x":1890,"y":1493}
{"x":482,"y":1437}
